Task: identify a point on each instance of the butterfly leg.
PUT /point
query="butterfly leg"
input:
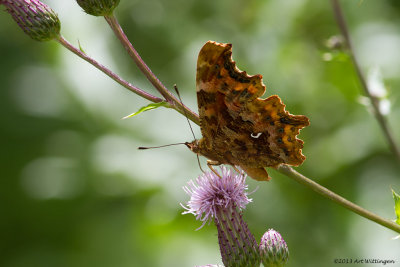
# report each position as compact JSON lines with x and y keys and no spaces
{"x":210,"y":164}
{"x":198,"y":161}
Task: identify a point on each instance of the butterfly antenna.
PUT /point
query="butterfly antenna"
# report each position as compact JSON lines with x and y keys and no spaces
{"x":198,"y":161}
{"x":151,"y":147}
{"x":191,"y":129}
{"x":184,"y":111}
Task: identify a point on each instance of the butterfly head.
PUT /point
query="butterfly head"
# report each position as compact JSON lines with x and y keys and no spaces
{"x":193,"y":146}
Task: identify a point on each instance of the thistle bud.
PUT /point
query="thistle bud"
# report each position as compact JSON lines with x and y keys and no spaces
{"x":273,"y":249}
{"x":98,"y":7}
{"x":36,"y":19}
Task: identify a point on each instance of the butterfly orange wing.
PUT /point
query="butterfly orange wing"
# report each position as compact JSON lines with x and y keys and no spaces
{"x":238,"y":127}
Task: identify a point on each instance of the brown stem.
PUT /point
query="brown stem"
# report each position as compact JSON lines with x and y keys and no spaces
{"x":298,"y":177}
{"x":374,"y":100}
{"x":108,"y":72}
{"x":170,"y":98}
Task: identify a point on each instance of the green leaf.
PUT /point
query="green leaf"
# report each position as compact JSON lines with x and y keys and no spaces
{"x":146,"y":108}
{"x":81,"y":48}
{"x":396,"y":198}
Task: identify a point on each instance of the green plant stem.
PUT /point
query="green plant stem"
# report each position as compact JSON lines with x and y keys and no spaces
{"x":108,"y":72}
{"x":169,"y":97}
{"x":374,"y":100}
{"x":290,"y":172}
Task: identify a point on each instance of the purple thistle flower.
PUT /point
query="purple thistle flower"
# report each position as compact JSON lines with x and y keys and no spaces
{"x":36,"y":19}
{"x":222,"y":198}
{"x":210,"y":192}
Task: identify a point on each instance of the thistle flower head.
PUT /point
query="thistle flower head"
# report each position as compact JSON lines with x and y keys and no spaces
{"x":273,"y":249}
{"x":222,"y":197}
{"x":36,"y":19}
{"x":98,"y":7}
{"x":211,"y":192}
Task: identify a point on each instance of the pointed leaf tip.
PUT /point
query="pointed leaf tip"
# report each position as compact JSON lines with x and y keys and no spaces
{"x":396,"y":198}
{"x":146,"y":108}
{"x":81,"y":48}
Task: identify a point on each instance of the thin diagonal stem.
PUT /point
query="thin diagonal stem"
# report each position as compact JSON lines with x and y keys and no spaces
{"x":374,"y":100}
{"x":108,"y":72}
{"x":298,"y":177}
{"x":169,"y":97}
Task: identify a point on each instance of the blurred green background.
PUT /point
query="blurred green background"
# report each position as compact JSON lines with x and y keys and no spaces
{"x":75,"y":191}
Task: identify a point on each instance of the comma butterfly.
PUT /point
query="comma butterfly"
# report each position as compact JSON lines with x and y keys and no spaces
{"x":238,"y":127}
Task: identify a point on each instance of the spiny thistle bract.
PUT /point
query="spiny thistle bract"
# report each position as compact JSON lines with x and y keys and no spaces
{"x":98,"y":7}
{"x":273,"y":249}
{"x":36,"y":19}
